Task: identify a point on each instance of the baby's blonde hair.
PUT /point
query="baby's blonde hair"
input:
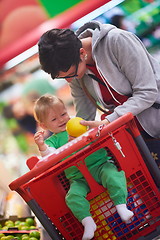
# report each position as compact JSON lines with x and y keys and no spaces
{"x":43,"y":105}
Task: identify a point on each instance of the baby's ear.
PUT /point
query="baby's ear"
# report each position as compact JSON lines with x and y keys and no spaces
{"x":42,"y":125}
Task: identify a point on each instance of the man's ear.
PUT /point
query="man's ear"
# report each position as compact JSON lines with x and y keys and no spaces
{"x":42,"y":125}
{"x":82,"y":53}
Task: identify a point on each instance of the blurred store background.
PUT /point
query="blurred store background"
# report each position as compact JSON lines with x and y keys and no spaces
{"x":22,"y":22}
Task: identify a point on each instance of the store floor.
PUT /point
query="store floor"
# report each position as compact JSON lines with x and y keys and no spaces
{"x":45,"y":235}
{"x":157,"y":238}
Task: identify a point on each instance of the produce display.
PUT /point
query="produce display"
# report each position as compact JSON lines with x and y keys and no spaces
{"x":20,"y":229}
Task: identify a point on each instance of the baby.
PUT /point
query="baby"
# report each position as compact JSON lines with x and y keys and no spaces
{"x":51,"y":114}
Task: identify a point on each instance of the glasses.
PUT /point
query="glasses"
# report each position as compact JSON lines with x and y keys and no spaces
{"x":71,"y":76}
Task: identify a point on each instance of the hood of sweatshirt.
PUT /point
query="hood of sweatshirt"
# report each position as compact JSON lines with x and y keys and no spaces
{"x":100,"y":30}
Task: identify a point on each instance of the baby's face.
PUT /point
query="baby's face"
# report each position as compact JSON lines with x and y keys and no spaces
{"x":57,"y":118}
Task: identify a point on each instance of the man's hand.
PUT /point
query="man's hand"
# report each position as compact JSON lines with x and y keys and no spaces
{"x":93,"y":124}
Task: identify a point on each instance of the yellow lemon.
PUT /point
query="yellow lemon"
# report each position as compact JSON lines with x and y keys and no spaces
{"x":74,"y":128}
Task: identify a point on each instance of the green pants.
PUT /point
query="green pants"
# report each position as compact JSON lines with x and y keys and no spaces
{"x":108,"y":176}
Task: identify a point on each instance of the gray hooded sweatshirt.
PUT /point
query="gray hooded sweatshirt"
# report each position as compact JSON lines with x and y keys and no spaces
{"x":124,"y":63}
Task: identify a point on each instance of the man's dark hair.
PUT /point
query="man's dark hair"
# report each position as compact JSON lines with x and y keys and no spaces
{"x":59,"y":49}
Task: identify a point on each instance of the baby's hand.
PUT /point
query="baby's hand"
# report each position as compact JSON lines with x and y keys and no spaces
{"x":70,"y":138}
{"x":39,"y":137}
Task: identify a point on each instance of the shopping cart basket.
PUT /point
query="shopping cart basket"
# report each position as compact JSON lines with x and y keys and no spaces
{"x":44,"y":187}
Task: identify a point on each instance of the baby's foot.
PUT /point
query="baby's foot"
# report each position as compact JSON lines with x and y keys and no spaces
{"x":89,"y":228}
{"x":124,"y":213}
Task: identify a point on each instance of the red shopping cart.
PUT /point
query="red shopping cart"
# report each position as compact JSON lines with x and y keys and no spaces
{"x":44,"y":187}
